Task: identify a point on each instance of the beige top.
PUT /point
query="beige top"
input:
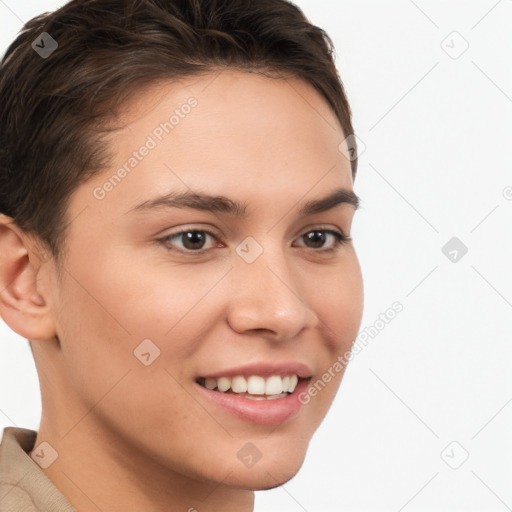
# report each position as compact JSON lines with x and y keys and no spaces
{"x":23,"y":485}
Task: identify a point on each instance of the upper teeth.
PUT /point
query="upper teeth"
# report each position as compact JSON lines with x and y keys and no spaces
{"x":254,"y":385}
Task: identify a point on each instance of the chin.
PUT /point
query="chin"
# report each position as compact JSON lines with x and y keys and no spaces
{"x":266,"y":486}
{"x":266,"y":476}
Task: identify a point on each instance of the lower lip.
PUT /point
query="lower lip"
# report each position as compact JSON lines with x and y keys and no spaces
{"x":262,"y":412}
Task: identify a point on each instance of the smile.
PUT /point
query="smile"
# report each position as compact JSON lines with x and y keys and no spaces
{"x":254,"y":387}
{"x":259,"y":394}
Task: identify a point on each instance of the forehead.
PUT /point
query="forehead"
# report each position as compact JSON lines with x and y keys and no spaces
{"x":229,"y":133}
{"x":230,"y":106}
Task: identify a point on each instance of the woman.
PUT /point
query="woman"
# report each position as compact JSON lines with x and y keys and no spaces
{"x":177,"y":197}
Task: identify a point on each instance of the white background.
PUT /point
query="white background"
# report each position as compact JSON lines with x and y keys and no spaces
{"x":437,"y":164}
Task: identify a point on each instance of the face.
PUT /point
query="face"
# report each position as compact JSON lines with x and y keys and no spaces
{"x":209,"y":261}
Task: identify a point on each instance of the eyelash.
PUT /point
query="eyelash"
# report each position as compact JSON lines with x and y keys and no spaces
{"x":340,"y":239}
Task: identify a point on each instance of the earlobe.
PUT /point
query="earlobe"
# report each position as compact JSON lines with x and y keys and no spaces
{"x":22,"y":307}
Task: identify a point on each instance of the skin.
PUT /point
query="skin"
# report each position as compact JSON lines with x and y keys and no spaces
{"x":136,"y":437}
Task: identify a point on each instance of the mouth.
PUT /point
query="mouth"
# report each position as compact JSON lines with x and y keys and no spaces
{"x":254,"y":387}
{"x":267,"y":398}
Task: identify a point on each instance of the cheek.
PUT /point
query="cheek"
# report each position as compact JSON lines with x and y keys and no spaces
{"x":111,"y":316}
{"x":111,"y":385}
{"x":336,"y":296}
{"x":137,"y":295}
{"x":337,"y":299}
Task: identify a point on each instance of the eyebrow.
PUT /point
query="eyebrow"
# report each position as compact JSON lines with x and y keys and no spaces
{"x":202,"y":201}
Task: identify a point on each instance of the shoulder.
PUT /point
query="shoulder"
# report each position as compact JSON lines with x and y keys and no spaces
{"x":15,"y":499}
{"x":24,"y":487}
{"x":13,"y":474}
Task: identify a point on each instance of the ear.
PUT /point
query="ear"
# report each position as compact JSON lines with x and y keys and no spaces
{"x":22,"y":306}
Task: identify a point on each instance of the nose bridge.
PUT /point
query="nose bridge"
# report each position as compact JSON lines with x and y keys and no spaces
{"x":266,"y":294}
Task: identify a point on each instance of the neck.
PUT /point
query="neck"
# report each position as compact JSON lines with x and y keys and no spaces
{"x":98,"y":471}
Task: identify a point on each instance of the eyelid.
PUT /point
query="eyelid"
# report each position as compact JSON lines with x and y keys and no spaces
{"x":339,"y":234}
{"x":163,"y":239}
{"x":329,"y":228}
{"x":322,"y":227}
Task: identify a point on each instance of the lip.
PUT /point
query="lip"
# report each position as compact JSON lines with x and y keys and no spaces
{"x":262,"y":412}
{"x":263,"y":369}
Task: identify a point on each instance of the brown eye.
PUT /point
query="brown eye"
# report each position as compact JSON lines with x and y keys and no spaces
{"x":192,"y":240}
{"x":314,"y":239}
{"x":317,"y":239}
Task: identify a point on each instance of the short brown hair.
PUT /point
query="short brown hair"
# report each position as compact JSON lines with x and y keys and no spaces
{"x":54,"y":111}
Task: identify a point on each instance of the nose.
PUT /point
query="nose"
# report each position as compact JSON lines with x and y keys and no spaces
{"x":267,"y":299}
